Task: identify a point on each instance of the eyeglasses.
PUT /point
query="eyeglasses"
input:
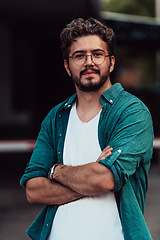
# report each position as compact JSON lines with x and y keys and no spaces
{"x":97,"y":57}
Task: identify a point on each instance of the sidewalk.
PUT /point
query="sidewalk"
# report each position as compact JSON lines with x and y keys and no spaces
{"x":152,"y":209}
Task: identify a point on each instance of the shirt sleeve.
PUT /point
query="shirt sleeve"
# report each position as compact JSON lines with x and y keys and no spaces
{"x":43,"y":156}
{"x":132,"y":142}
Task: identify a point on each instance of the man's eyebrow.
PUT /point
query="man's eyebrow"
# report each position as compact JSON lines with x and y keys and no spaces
{"x":83,"y":51}
{"x":79,"y":51}
{"x":98,"y":49}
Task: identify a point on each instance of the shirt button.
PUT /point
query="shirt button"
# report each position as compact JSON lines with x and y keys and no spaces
{"x":59,"y":116}
{"x":65,"y":104}
{"x":60,"y":135}
{"x":119,"y":150}
{"x":47,"y":224}
{"x":111,"y":101}
{"x":69,"y":105}
{"x":59,"y":153}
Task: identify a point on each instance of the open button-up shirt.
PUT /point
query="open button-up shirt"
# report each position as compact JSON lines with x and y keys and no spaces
{"x":126,"y":125}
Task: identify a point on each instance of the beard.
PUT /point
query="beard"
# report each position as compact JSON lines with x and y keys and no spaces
{"x":91,"y":86}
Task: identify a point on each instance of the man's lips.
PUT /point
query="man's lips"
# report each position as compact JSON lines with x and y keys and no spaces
{"x":89,"y":72}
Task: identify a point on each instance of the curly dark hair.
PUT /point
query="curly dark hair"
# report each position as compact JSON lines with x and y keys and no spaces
{"x":81,"y":27}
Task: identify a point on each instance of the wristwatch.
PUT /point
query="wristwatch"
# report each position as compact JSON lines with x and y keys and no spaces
{"x":52,"y":171}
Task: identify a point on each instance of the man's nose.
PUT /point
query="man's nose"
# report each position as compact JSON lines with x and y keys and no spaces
{"x":89,"y":60}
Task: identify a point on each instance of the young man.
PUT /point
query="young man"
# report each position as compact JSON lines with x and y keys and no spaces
{"x":91,"y":159}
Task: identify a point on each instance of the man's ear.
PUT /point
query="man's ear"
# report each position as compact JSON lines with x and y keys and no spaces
{"x":112,"y":63}
{"x":67,"y":67}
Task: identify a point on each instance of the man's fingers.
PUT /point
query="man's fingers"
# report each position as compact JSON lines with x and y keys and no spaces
{"x":106,"y":152}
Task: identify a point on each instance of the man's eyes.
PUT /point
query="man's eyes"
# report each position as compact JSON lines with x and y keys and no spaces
{"x":80,"y":55}
{"x":97,"y":54}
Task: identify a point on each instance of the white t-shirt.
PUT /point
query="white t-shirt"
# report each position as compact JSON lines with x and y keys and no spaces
{"x":90,"y":218}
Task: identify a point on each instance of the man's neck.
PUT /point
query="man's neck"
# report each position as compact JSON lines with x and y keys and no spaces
{"x":88,"y":104}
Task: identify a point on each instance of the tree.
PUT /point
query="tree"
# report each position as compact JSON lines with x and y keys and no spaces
{"x":134,"y":7}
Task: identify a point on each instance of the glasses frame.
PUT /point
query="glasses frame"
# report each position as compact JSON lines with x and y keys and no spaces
{"x":91,"y":55}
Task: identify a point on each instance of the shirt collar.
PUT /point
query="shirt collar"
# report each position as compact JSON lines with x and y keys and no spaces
{"x":68,"y":103}
{"x":112,"y":93}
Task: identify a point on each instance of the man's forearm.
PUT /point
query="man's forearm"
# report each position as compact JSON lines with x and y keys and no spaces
{"x":89,"y":179}
{"x":72,"y":183}
{"x":42,"y":190}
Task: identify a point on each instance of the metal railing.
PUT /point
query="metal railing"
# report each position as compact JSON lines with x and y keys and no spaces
{"x":16,"y":146}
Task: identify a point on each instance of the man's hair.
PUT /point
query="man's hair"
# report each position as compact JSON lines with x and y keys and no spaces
{"x":81,"y":27}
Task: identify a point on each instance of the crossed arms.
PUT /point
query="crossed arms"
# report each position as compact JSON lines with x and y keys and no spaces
{"x":71,"y":183}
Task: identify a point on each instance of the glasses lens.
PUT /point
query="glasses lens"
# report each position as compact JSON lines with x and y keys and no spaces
{"x":79,"y":58}
{"x":98,"y":57}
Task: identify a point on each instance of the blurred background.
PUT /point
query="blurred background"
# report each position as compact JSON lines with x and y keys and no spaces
{"x":33,"y":80}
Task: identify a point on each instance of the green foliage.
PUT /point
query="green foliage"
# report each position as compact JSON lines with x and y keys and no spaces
{"x":135,"y":7}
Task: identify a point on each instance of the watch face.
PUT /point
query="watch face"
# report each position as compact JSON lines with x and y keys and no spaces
{"x":50,"y":176}
{"x":52,"y":171}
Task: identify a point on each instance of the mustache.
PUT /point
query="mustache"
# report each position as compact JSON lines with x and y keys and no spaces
{"x":89,"y":69}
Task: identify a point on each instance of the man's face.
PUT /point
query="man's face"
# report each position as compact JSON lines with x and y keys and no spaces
{"x":89,"y":77}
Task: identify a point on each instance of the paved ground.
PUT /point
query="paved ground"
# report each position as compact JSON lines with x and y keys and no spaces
{"x":16,"y":213}
{"x":152,"y":210}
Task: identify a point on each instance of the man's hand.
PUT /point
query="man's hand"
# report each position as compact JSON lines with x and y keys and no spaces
{"x":106,"y":152}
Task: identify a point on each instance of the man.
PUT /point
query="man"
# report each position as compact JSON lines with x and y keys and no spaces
{"x":91,"y":159}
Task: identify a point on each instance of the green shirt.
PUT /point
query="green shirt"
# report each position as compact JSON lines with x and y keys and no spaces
{"x":126,"y":125}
